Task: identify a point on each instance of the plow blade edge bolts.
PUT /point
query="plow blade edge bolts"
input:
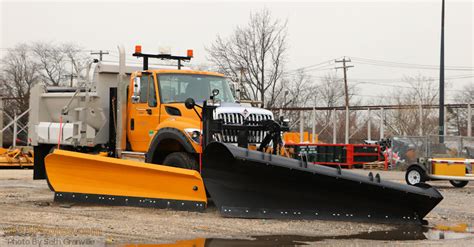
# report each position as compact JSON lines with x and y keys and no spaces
{"x":250,"y":184}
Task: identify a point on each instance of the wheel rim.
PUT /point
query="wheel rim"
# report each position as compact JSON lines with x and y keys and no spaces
{"x":414,"y":177}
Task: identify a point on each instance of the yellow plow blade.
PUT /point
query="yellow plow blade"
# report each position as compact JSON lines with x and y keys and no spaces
{"x":89,"y":178}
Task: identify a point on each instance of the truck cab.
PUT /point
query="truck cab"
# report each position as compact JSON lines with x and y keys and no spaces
{"x":158,"y":123}
{"x":137,"y":110}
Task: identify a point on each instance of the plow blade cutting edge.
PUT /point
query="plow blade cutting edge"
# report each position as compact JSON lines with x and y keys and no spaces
{"x":250,"y":184}
{"x":94,"y":179}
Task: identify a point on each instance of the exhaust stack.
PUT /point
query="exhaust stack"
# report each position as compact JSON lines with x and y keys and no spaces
{"x":120,"y":137}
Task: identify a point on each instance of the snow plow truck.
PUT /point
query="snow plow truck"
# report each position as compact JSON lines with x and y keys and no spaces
{"x":198,"y":144}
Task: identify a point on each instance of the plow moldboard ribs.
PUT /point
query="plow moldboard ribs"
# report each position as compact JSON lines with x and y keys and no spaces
{"x":249,"y":184}
{"x":89,"y":178}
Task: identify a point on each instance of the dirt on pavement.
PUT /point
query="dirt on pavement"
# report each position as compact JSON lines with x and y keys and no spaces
{"x":29,"y":214}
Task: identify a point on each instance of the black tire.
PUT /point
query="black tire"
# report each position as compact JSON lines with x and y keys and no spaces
{"x":181,"y":160}
{"x":458,"y":184}
{"x":415,"y":175}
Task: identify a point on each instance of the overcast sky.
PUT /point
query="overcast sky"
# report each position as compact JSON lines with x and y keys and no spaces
{"x":397,"y":31}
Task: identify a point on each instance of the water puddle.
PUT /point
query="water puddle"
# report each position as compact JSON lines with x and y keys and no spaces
{"x":438,"y":232}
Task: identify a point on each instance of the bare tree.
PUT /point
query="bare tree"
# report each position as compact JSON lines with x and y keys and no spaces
{"x":52,"y":62}
{"x":329,"y":92}
{"x":77,"y":59}
{"x":260,"y":48}
{"x":421,"y":90}
{"x":25,"y":65}
{"x":20,"y":71}
{"x":458,"y":117}
{"x":296,"y":90}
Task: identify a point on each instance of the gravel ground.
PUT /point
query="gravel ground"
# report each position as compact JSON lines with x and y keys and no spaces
{"x":29,"y":215}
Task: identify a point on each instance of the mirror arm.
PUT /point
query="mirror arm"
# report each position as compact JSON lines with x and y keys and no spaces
{"x":197,"y":113}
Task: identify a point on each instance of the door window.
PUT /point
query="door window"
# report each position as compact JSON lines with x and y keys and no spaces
{"x":147,"y":91}
{"x":151,"y":92}
{"x":144,"y":89}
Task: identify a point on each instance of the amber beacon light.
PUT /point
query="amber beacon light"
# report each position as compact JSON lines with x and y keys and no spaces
{"x":190,"y":53}
{"x":138,"y":49}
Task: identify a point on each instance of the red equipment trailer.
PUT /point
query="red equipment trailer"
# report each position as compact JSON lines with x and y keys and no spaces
{"x":345,"y":155}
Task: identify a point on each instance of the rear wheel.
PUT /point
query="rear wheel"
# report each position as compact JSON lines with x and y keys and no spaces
{"x":181,"y":160}
{"x":415,"y":175}
{"x":458,"y":184}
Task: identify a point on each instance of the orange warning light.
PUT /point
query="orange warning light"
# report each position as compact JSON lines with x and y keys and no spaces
{"x":190,"y":53}
{"x":138,"y":49}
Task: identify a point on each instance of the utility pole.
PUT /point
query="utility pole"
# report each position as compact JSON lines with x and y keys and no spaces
{"x":100,"y":53}
{"x":72,"y":75}
{"x":346,"y":91}
{"x":441,"y":80}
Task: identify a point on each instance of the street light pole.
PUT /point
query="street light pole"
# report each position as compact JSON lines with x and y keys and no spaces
{"x":441,"y":81}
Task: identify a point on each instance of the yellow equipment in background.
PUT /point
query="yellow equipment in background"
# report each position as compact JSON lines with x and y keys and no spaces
{"x":294,"y":137}
{"x":16,"y":158}
{"x":457,"y":170}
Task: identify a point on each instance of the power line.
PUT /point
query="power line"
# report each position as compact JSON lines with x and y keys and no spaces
{"x":407,"y":64}
{"x":398,"y":80}
{"x":314,"y":66}
{"x":398,"y":86}
{"x":374,"y":62}
{"x":100,"y":53}
{"x":31,"y":49}
{"x":392,"y":97}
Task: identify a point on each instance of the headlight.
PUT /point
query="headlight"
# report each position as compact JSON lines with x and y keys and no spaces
{"x":194,"y":134}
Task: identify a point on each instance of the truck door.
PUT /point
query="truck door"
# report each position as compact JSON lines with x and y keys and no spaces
{"x":143,"y":111}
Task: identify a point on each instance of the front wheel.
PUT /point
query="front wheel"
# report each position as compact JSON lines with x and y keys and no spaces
{"x":415,"y":175}
{"x":181,"y":160}
{"x":458,"y":184}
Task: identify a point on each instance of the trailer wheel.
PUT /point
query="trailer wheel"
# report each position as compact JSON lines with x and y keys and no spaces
{"x":458,"y":184}
{"x":181,"y":160}
{"x":415,"y":175}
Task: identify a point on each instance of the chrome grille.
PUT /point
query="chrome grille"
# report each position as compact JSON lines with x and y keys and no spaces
{"x":230,"y":136}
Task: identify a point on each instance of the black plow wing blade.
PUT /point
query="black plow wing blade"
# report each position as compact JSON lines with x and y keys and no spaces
{"x":251,"y":184}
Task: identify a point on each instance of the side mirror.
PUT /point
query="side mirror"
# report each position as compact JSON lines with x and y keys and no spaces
{"x":189,"y":103}
{"x":135,"y":98}
{"x":136,"y":85}
{"x":213,"y":101}
{"x":215,"y":92}
{"x":136,"y":90}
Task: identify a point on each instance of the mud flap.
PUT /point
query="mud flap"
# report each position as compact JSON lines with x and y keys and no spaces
{"x":89,"y":178}
{"x":251,"y":184}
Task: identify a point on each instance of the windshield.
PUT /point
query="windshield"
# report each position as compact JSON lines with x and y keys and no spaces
{"x":176,"y":88}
